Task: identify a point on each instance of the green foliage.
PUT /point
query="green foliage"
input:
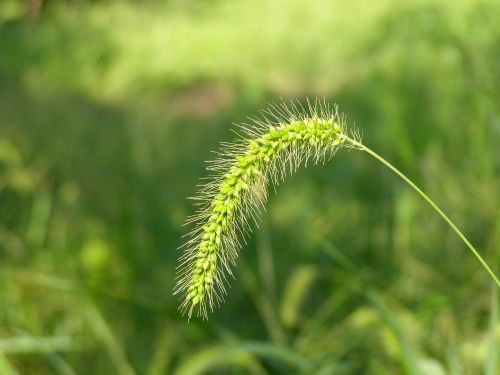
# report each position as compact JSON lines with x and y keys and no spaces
{"x":107,"y":109}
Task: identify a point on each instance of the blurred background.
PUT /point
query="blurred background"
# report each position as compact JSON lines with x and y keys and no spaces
{"x":108,"y":110}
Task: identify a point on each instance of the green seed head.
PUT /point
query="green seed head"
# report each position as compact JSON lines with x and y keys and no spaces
{"x":269,"y":148}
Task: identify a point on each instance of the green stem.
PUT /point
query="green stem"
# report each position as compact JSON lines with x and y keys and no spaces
{"x":362,"y":147}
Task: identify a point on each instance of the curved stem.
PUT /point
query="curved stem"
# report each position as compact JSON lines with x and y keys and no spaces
{"x":362,"y":147}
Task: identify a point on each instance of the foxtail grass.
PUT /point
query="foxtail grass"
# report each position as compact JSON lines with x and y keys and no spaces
{"x":267,"y":149}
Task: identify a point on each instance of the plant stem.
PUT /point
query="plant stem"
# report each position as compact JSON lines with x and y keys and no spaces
{"x":362,"y":147}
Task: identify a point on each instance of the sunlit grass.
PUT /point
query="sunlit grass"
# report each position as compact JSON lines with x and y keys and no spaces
{"x":107,"y":110}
